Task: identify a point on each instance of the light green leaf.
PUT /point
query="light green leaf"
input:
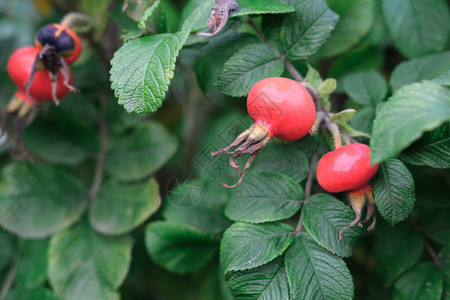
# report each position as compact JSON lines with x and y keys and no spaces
{"x":263,"y":283}
{"x":417,"y":69}
{"x":245,"y":68}
{"x":395,"y":251}
{"x":355,"y":22}
{"x":195,"y":14}
{"x":327,"y":87}
{"x":363,"y":119}
{"x":199,"y":203}
{"x":37,"y":294}
{"x":287,"y":155}
{"x":138,"y":154}
{"x":314,"y":273}
{"x":246,"y":246}
{"x":343,"y":116}
{"x":393,"y":191}
{"x":306,"y":30}
{"x":443,"y":79}
{"x":313,"y":77}
{"x":433,"y":149}
{"x":178,"y":247}
{"x":422,"y":282}
{"x":210,"y":62}
{"x":417,"y":27}
{"x":39,"y":200}
{"x":366,"y":88}
{"x":323,"y":217}
{"x":412,"y":110}
{"x":119,"y":208}
{"x":32,"y":264}
{"x":257,"y":7}
{"x":264,"y":197}
{"x":352,"y":132}
{"x":86,"y":265}
{"x":142,"y":70}
{"x":147,"y":14}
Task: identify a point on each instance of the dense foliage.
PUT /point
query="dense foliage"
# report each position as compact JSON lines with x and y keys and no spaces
{"x":118,"y":195}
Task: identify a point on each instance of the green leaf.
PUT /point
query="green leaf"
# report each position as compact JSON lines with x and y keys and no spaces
{"x":198,"y":203}
{"x":142,"y":70}
{"x":178,"y":247}
{"x":365,"y":88}
{"x":147,"y":14}
{"x":323,"y":217}
{"x":327,"y":87}
{"x":52,"y":144}
{"x":444,"y":257}
{"x":417,"y":69}
{"x":396,"y":250}
{"x":210,"y":62}
{"x":314,"y":273}
{"x":363,"y":119}
{"x":257,"y":7}
{"x":39,"y":200}
{"x":264,"y":197}
{"x":266,"y":282}
{"x":436,"y":224}
{"x":306,"y":30}
{"x":119,"y":208}
{"x":248,"y":66}
{"x":287,"y":155}
{"x":136,"y":155}
{"x":355,"y":22}
{"x":313,"y":77}
{"x":417,"y":27}
{"x":37,"y":294}
{"x":422,"y":282}
{"x":343,"y":116}
{"x":412,"y":110}
{"x":6,"y":249}
{"x":86,"y":265}
{"x":352,"y":132}
{"x":32,"y":264}
{"x":393,"y":191}
{"x":443,"y":79}
{"x":433,"y":149}
{"x":246,"y":246}
{"x":195,"y":14}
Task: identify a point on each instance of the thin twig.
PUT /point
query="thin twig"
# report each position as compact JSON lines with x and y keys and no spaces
{"x":308,"y":187}
{"x":9,"y":280}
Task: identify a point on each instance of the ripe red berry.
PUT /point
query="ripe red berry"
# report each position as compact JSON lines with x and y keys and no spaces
{"x":66,"y":42}
{"x":20,"y":67}
{"x":281,"y":108}
{"x":346,"y":168}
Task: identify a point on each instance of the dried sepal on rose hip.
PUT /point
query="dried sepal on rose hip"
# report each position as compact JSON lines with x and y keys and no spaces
{"x":219,"y":16}
{"x":58,"y":47}
{"x":348,"y":168}
{"x":281,"y":108}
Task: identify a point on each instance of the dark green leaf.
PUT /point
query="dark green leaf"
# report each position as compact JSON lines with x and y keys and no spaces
{"x":366,"y":88}
{"x":433,"y":149}
{"x":119,"y":208}
{"x":363,"y":119}
{"x":355,"y":22}
{"x":210,"y":62}
{"x":323,"y":217}
{"x":263,"y":283}
{"x":247,"y":246}
{"x":419,"y":69}
{"x":422,"y":282}
{"x":199,"y":203}
{"x":142,"y":70}
{"x":393,"y":191}
{"x":417,"y":27}
{"x":6,"y":249}
{"x":436,"y":224}
{"x":38,"y":200}
{"x":136,"y":155}
{"x":314,"y":273}
{"x":264,"y":197}
{"x":249,"y":65}
{"x":306,"y":30}
{"x":412,"y":110}
{"x":395,"y":251}
{"x":38,"y":294}
{"x":32,"y":264}
{"x":178,"y":247}
{"x":86,"y":265}
{"x":444,"y":256}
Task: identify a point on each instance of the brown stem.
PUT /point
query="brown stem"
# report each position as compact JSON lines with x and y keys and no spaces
{"x":308,"y":188}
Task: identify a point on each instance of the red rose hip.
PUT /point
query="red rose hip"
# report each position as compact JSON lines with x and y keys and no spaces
{"x":346,"y":168}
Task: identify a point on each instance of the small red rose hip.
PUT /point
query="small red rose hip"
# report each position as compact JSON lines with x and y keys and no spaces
{"x":346,"y":168}
{"x":280,"y":108}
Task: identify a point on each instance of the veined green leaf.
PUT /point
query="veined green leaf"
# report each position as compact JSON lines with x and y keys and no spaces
{"x":366,"y":88}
